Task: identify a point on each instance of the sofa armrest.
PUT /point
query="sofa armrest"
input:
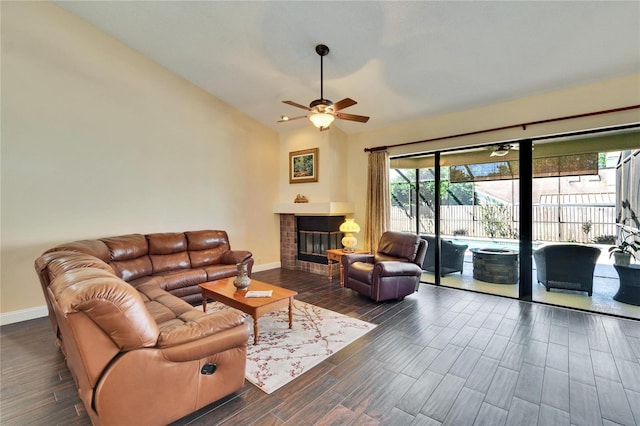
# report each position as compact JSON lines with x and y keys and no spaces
{"x":193,"y":325}
{"x":348,"y":259}
{"x":231,"y":257}
{"x":205,"y":347}
{"x":387,"y":269}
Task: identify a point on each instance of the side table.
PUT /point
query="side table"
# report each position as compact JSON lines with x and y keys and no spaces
{"x":629,"y":291}
{"x":336,"y":255}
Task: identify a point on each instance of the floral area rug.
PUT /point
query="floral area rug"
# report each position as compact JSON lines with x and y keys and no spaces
{"x":282,"y":354}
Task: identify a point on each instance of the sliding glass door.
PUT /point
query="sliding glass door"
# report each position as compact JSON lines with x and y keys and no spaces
{"x":584,"y":201}
{"x":479,"y":209}
{"x":488,"y":213}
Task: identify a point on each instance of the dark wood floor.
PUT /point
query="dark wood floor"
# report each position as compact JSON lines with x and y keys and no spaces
{"x":441,"y":356}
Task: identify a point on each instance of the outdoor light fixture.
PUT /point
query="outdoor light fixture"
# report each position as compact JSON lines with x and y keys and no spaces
{"x":322,"y":120}
{"x":349,"y":227}
{"x":499,"y":152}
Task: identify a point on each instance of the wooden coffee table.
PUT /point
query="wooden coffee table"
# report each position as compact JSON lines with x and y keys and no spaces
{"x":225,"y":292}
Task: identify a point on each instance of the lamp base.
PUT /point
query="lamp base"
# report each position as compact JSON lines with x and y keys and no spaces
{"x":349,"y":243}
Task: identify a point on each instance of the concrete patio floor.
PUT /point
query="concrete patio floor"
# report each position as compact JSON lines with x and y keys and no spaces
{"x":605,"y":286}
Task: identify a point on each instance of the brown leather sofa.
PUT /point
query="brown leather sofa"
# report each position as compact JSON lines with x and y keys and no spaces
{"x":139,"y":354}
{"x":177,"y":261}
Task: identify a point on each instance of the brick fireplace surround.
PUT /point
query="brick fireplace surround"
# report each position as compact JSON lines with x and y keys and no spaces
{"x":289,"y":249}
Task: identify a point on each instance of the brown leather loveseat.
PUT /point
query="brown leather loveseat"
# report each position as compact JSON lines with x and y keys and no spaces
{"x":139,"y":354}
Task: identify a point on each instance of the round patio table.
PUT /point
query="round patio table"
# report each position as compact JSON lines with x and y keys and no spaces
{"x":495,"y":265}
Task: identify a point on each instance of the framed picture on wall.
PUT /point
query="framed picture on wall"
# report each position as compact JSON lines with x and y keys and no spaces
{"x":303,"y":166}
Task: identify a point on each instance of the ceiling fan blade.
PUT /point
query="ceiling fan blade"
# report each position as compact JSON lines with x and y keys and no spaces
{"x":297,"y":105}
{"x":352,"y":117}
{"x":345,"y":103}
{"x":283,"y":120}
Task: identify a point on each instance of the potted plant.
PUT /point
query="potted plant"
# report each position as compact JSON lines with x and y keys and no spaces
{"x":623,"y":252}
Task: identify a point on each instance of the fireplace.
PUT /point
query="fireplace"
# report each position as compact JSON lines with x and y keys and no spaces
{"x":319,"y":233}
{"x":316,"y":235}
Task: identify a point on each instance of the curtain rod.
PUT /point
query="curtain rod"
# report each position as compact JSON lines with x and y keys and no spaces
{"x":512,"y":126}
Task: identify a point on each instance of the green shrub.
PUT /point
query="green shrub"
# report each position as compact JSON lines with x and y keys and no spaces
{"x":605,"y":239}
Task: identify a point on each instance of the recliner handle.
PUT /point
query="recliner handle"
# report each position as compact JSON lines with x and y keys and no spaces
{"x":208,"y":369}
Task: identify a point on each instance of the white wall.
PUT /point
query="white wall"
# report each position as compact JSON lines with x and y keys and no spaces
{"x":332,"y":165}
{"x":98,"y":140}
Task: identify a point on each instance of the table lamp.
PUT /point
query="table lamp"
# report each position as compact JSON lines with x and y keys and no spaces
{"x":349,"y":227}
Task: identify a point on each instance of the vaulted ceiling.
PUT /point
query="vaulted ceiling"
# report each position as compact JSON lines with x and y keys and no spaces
{"x":400,"y":60}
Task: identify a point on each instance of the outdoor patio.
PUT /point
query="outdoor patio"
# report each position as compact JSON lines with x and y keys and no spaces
{"x":605,"y":286}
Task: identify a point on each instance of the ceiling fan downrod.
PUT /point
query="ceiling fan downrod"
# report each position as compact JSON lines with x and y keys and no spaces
{"x":322,"y":50}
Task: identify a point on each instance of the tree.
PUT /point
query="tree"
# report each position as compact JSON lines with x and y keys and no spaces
{"x":403,"y":190}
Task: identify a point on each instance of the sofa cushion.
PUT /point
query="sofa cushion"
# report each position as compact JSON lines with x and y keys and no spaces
{"x":207,"y":247}
{"x":61,"y":261}
{"x":168,"y":251}
{"x":382,"y":257}
{"x":399,"y":245}
{"x":162,"y":305}
{"x":170,"y":262}
{"x":179,"y":322}
{"x":192,"y":325}
{"x":93,"y":247}
{"x":206,"y":257}
{"x":129,"y":256}
{"x":207,"y":239}
{"x":167,"y":243}
{"x":126,"y":247}
{"x":218,"y":272}
{"x":131,"y":269}
{"x":172,"y":280}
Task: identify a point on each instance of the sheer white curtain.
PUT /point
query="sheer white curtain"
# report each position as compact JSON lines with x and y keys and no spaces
{"x":378,"y":200}
{"x":627,"y":189}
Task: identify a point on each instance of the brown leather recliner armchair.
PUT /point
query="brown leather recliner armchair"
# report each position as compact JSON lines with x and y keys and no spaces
{"x":392,"y":273}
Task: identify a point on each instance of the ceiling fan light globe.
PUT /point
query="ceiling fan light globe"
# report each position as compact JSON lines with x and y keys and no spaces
{"x":321,"y":120}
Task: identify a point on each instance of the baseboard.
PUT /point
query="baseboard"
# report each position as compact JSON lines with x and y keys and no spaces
{"x":265,"y":266}
{"x":41,"y":311}
{"x":23,"y":315}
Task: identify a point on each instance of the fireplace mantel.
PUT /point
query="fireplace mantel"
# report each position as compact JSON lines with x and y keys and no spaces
{"x":311,"y":209}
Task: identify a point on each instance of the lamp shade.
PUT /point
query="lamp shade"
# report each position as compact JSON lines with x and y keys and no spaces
{"x":321,"y":119}
{"x":349,"y":226}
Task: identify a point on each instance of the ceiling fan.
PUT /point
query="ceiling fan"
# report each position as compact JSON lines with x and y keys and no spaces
{"x":502,"y":149}
{"x":322,"y":111}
